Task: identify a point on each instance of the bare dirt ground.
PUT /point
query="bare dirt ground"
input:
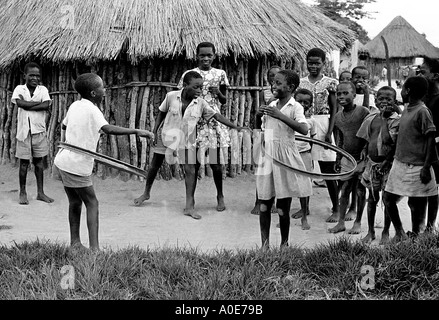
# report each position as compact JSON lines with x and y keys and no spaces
{"x":160,"y":222}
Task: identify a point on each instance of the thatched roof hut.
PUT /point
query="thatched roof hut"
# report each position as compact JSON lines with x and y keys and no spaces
{"x":141,"y":47}
{"x":404,"y":43}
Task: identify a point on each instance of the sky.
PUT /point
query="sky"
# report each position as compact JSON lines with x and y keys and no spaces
{"x":423,"y":15}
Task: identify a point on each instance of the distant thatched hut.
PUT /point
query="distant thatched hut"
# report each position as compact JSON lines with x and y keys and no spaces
{"x":140,"y":48}
{"x":404,"y":43}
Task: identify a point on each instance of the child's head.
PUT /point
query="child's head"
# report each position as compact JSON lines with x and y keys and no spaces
{"x":91,"y":87}
{"x":305,"y":98}
{"x":285,"y":83}
{"x":386,"y":100}
{"x":193,"y":84}
{"x":360,"y":76}
{"x":32,"y":74}
{"x":205,"y":55}
{"x":414,"y":89}
{"x":345,"y":76}
{"x":271,"y":73}
{"x":315,"y":60}
{"x":430,"y":69}
{"x":345,"y":93}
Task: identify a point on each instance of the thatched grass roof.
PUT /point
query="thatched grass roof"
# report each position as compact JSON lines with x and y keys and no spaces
{"x":403,"y":42}
{"x":102,"y":29}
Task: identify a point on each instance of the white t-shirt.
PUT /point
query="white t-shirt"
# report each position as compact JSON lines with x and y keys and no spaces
{"x":35,"y":121}
{"x":84,"y":120}
{"x":359,"y":98}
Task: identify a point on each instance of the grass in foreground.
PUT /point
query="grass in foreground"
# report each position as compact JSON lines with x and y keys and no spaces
{"x":409,"y":270}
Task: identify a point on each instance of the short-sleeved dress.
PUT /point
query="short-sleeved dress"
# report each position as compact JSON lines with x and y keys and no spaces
{"x":211,"y":134}
{"x":272,"y":180}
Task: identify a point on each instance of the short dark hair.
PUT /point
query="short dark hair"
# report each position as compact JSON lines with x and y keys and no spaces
{"x":85,"y":83}
{"x":304,"y":92}
{"x":359,"y":68}
{"x":273,"y":67}
{"x":433,"y":64}
{"x":350,"y":83}
{"x":291,"y":77}
{"x":418,"y":86}
{"x":191,"y":75}
{"x":344,"y":71}
{"x":316,"y":52}
{"x":387,"y":88}
{"x":31,"y":65}
{"x":206,"y":45}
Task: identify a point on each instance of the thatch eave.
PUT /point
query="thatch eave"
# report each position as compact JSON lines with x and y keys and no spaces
{"x":99,"y":29}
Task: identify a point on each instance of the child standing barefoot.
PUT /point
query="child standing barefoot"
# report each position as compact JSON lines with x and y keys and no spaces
{"x":282,"y":118}
{"x":380,"y":131}
{"x":81,"y":127}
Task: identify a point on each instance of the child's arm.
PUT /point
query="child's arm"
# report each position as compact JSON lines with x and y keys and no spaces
{"x":116,"y":130}
{"x":425,"y":171}
{"x":220,"y":93}
{"x":301,"y":127}
{"x":220,"y":118}
{"x":32,"y":105}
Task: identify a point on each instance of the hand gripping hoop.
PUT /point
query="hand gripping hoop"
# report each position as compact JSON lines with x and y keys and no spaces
{"x":109,"y":161}
{"x":320,"y":176}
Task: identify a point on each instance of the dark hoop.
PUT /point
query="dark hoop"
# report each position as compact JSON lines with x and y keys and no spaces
{"x":101,"y":158}
{"x":323,"y":176}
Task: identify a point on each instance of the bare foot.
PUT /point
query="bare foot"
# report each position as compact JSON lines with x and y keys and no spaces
{"x":192,"y":213}
{"x":356,"y":228}
{"x":400,"y":236}
{"x":138,"y":201}
{"x":385,"y":238}
{"x":368,"y":238}
{"x":77,"y":247}
{"x":43,"y":197}
{"x":221,"y":206}
{"x":334,"y":217}
{"x":340,"y":227}
{"x":305,"y":225}
{"x":255,"y":210}
{"x":350,"y":215}
{"x":274,"y":209}
{"x":297,"y":214}
{"x":23,"y":198}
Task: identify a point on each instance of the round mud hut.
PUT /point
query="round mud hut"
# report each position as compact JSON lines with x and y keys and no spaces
{"x":141,"y":48}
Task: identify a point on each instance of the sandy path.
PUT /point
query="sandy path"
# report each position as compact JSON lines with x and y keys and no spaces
{"x":160,"y":221}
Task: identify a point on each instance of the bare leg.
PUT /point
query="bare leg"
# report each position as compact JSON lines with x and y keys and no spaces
{"x":156,"y":163}
{"x":418,"y":208}
{"x":387,"y":222}
{"x":346,"y":189}
{"x":39,"y":175}
{"x":255,"y":210}
{"x":328,"y":167}
{"x":352,"y":212}
{"x":390,"y":201}
{"x":304,"y":204}
{"x":361,"y":199}
{"x":265,"y":221}
{"x":283,"y":205}
{"x":218,"y":179}
{"x":371,"y":211}
{"x":75,"y":207}
{"x":191,"y":174}
{"x":22,"y":175}
{"x":88,"y":196}
{"x":432,"y":213}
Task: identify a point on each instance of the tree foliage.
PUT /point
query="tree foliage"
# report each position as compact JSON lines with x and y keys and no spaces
{"x":347,"y":12}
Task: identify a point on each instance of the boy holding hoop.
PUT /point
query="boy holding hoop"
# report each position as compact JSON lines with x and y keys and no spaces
{"x":82,"y":127}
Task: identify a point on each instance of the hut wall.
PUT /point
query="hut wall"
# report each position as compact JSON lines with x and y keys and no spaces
{"x":376,"y":66}
{"x":133,"y":96}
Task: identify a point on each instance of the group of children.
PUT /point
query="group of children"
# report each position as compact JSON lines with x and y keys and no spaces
{"x":394,"y":153}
